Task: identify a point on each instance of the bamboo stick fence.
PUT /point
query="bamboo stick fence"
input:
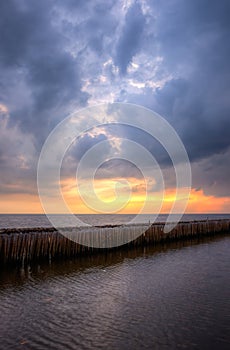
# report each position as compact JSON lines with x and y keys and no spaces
{"x":19,"y":246}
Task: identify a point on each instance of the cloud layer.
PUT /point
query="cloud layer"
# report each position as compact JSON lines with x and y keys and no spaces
{"x":170,"y":56}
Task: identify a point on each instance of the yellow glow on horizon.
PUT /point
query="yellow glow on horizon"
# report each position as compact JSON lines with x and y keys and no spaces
{"x":201,"y":203}
{"x":20,"y":204}
{"x":111,"y":191}
{"x":198,"y":201}
{"x":106,"y":191}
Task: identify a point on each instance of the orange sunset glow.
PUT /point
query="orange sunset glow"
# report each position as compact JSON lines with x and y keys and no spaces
{"x":114,"y":174}
{"x":116,"y":102}
{"x":198,"y":201}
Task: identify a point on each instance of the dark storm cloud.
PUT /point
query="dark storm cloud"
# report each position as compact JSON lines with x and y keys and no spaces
{"x":17,"y":162}
{"x":25,"y":27}
{"x":79,"y":148}
{"x":120,"y":167}
{"x":142,"y":138}
{"x":34,"y":49}
{"x":131,"y":36}
{"x":212,"y":175}
{"x":99,"y":27}
{"x":57,"y":55}
{"x":113,"y":156}
{"x":85,"y":143}
{"x":112,"y":164}
{"x":187,"y":30}
{"x":193,"y":39}
{"x":200,"y":117}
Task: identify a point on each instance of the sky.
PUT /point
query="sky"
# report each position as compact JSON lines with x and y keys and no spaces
{"x":171,"y":56}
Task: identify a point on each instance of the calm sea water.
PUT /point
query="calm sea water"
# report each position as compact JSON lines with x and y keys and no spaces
{"x":39,"y":220}
{"x":174,"y":297}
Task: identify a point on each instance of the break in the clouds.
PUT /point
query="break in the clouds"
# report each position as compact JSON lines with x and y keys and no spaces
{"x":171,"y":56}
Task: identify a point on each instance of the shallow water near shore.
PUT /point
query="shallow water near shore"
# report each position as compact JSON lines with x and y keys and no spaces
{"x":170,"y":297}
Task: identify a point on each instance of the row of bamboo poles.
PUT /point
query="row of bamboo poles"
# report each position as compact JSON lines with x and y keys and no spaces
{"x":18,"y":246}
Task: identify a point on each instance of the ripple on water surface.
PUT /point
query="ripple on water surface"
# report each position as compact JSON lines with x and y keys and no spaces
{"x":154,"y":299}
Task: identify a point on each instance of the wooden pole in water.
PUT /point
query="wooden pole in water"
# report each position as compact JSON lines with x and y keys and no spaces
{"x":20,"y":246}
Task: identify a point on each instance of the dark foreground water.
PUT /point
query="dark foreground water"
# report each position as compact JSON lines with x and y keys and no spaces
{"x":173,"y":297}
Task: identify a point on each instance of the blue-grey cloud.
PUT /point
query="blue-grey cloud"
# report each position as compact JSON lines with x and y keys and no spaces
{"x":171,"y":56}
{"x":192,"y":39}
{"x":34,"y":50}
{"x":131,"y":37}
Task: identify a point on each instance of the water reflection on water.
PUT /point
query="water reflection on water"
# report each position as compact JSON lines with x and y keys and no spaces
{"x":169,"y":297}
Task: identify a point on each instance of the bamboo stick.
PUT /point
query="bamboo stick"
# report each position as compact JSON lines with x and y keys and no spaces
{"x":28,"y":245}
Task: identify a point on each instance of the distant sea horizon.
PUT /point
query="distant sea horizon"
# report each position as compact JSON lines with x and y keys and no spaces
{"x":11,"y":220}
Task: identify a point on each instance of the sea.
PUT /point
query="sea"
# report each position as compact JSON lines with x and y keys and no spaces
{"x":172,"y":296}
{"x":41,"y":220}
